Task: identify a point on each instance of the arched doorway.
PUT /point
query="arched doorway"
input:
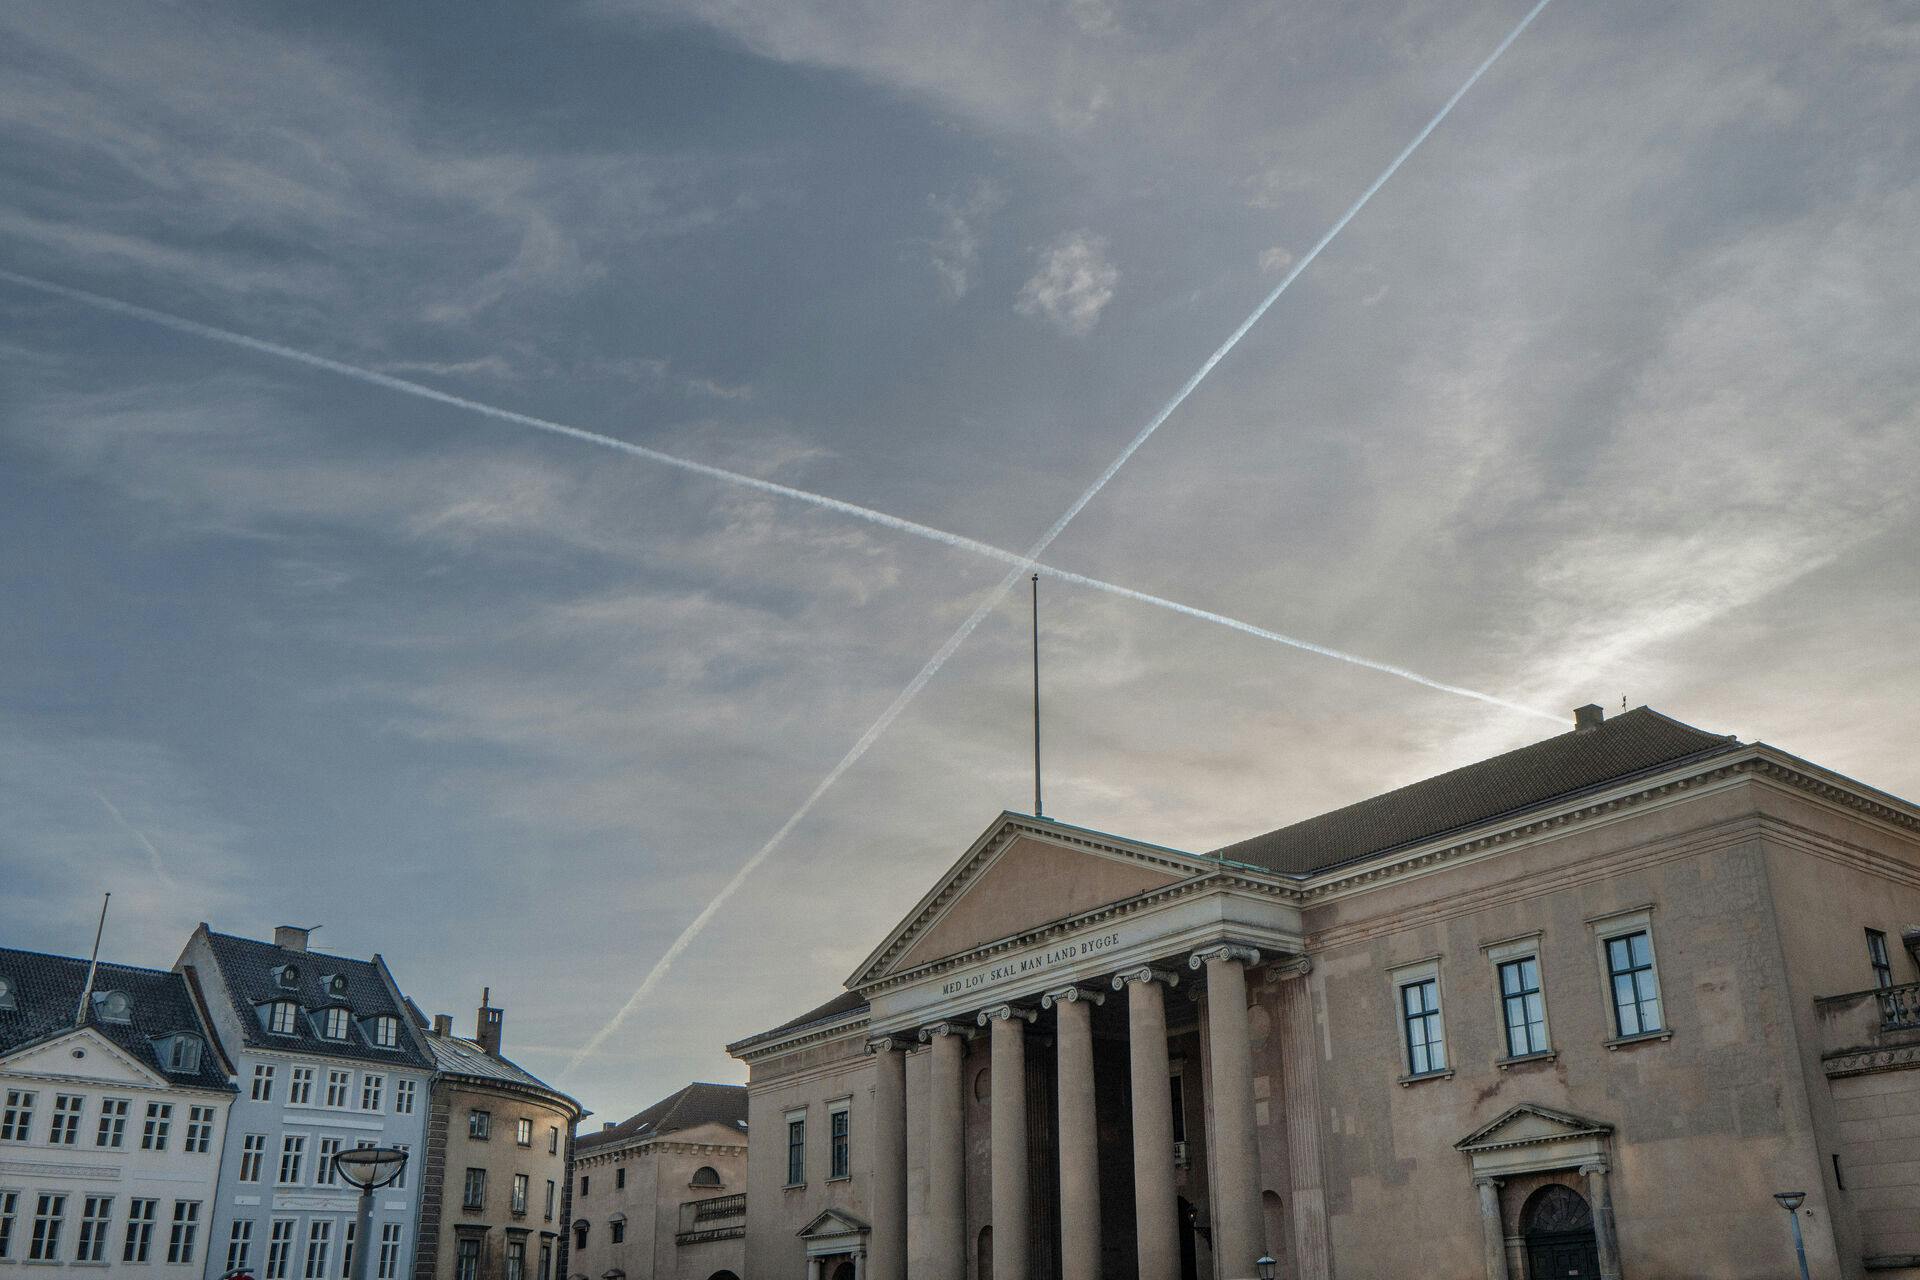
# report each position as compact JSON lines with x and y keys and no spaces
{"x":843,"y":1272}
{"x":1557,"y":1225}
{"x":723,"y":1275}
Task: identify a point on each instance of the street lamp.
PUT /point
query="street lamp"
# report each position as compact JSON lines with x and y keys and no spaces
{"x":1791,"y":1201}
{"x":367,"y":1168}
{"x":1265,"y":1266}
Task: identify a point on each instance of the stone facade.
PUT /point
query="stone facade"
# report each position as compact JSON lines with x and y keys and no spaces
{"x":1590,"y":1035}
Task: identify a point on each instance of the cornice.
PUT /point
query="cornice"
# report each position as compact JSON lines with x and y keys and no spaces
{"x":492,"y":1084}
{"x":752,"y":1049}
{"x":1871,"y":1061}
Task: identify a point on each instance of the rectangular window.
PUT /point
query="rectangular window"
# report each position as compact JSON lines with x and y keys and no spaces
{"x":280,"y":1248}
{"x":335,"y":1027}
{"x":1522,"y":1006}
{"x":262,"y":1082}
{"x":1420,"y":1022}
{"x":240,"y":1245}
{"x":49,"y":1215}
{"x":153,"y":1137}
{"x":66,"y":1119}
{"x":403,"y":1097}
{"x":386,"y":1032}
{"x":619,"y":1178}
{"x":389,"y":1250}
{"x":479,"y":1124}
{"x":253,"y":1151}
{"x":199,"y":1130}
{"x":617,"y":1230}
{"x":519,"y":1203}
{"x":293,"y":1153}
{"x":141,"y":1215}
{"x":553,"y":1189}
{"x":323,"y":1168}
{"x":18,"y":1116}
{"x":319,"y":1248}
{"x":553,"y":1140}
{"x":113,"y":1123}
{"x":96,"y":1218}
{"x":839,"y":1141}
{"x":583,"y":1186}
{"x":1636,"y":989}
{"x":523,"y":1131}
{"x":349,"y":1229}
{"x":516,"y":1260}
{"x":474,"y":1194}
{"x":10,"y":1213}
{"x":466,"y":1263}
{"x":280,"y":1018}
{"x":796,"y":1149}
{"x":372,"y":1087}
{"x":546,"y":1260}
{"x":300,"y":1090}
{"x":186,"y":1225}
{"x":339,"y":1083}
{"x":1877,"y":956}
{"x":1177,"y":1082}
{"x":400,"y":1179}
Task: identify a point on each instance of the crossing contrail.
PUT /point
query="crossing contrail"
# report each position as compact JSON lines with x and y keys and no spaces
{"x":153,"y":854}
{"x":1031,"y":560}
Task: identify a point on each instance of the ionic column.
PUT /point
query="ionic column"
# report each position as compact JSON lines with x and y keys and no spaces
{"x":1238,"y":1235}
{"x":1300,"y":1100}
{"x":815,"y":1266}
{"x":1156,"y":1206}
{"x":1493,"y":1234}
{"x":1011,"y":1196}
{"x":1079,"y":1133}
{"x":859,"y":1264}
{"x":888,"y":1202}
{"x":946,"y":1152}
{"x":1606,"y":1245}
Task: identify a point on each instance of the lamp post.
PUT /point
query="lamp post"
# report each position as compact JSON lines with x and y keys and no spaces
{"x":1264,"y":1267}
{"x":1791,"y":1201}
{"x":367,"y":1168}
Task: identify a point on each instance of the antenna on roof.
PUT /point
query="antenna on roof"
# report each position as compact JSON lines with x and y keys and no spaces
{"x":1038,"y":812}
{"x":93,"y":964}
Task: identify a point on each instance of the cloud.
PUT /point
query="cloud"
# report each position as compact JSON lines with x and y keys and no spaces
{"x":955,"y":252}
{"x":1073,"y":284}
{"x":1275,"y":260}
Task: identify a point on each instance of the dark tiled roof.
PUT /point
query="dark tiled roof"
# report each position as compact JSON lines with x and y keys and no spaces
{"x":48,"y":991}
{"x":695,"y":1105}
{"x":844,"y":1005}
{"x":250,"y":970}
{"x":1636,"y":742}
{"x":458,"y":1056}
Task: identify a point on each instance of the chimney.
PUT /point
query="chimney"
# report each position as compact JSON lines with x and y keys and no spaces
{"x":1588,"y":717}
{"x":488,"y":1030}
{"x":290,"y":936}
{"x":443,"y":1024}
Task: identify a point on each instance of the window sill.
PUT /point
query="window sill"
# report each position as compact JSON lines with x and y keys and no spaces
{"x":1645,"y":1037}
{"x":845,"y":1177}
{"x":1526,"y":1059}
{"x":795,"y":1186}
{"x":1424,"y":1076}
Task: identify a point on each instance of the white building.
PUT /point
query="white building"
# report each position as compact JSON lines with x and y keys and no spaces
{"x":326,"y":1058}
{"x":111,"y":1123}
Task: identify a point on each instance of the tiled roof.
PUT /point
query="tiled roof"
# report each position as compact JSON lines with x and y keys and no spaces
{"x":251,"y":971}
{"x":1634,"y":743}
{"x":689,"y":1108}
{"x":47,"y":991}
{"x":457,"y":1056}
{"x":846,"y":1004}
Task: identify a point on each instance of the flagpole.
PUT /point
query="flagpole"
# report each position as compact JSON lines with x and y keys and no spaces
{"x":93,"y":964}
{"x":1037,"y":810}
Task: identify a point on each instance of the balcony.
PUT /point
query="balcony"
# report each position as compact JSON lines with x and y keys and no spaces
{"x":716,"y":1218}
{"x":1870,"y":1030}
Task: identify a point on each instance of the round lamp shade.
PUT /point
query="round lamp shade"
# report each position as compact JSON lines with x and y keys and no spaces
{"x":1790,"y":1200}
{"x":369,"y":1167}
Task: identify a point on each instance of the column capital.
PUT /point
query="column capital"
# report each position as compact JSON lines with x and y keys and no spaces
{"x":887,"y":1044}
{"x":1484,"y":1181}
{"x":1291,"y":967}
{"x":1592,"y":1167}
{"x":934,"y":1030}
{"x":1145,"y":973}
{"x":1224,"y":951}
{"x":1069,"y":995}
{"x":1004,"y":1013}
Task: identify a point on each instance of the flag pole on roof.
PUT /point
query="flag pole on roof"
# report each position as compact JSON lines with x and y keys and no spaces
{"x":1038,"y":812}
{"x":93,"y":965}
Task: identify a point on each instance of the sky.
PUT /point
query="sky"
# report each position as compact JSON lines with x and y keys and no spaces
{"x":1609,"y":394}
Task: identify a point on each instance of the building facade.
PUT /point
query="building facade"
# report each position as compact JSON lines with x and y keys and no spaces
{"x":325,"y":1058}
{"x":115,"y":1112}
{"x":1577,"y":1010}
{"x":662,"y":1195}
{"x":499,"y":1139}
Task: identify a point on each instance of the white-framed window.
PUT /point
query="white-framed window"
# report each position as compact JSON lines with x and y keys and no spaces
{"x":96,"y":1219}
{"x":113,"y":1122}
{"x":280,"y":1017}
{"x":262,"y":1082}
{"x":66,"y":1119}
{"x":319,"y":1247}
{"x":280,"y":1248}
{"x":186,"y":1225}
{"x":796,"y":1148}
{"x":523,"y":1131}
{"x":293,"y":1154}
{"x":403,"y":1097}
{"x":9,"y":1220}
{"x":153,"y":1135}
{"x":49,"y":1216}
{"x":183,"y":1053}
{"x":1416,"y":989}
{"x":373,"y":1090}
{"x":18,"y":1116}
{"x":199,"y":1130}
{"x":253,"y":1153}
{"x":480,"y":1124}
{"x":323,"y":1170}
{"x":339,"y":1086}
{"x":334,"y":1023}
{"x":399,"y":1182}
{"x":350,"y":1232}
{"x":840,"y":1138}
{"x":240,"y":1245}
{"x":389,"y":1250}
{"x":142,"y":1213}
{"x":1632,"y":974}
{"x":386,"y":1032}
{"x":300,"y":1088}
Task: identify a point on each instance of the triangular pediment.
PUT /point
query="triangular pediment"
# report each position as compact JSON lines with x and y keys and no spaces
{"x":103,"y":1061}
{"x":1023,"y":872}
{"x":833,"y":1223}
{"x":1527,"y":1124}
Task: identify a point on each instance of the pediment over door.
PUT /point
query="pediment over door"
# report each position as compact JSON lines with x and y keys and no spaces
{"x":1527,"y":1138}
{"x":834,"y":1225}
{"x":1021,"y":873}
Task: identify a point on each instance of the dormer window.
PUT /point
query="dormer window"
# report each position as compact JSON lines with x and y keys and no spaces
{"x":287,"y":975}
{"x":280,"y":1017}
{"x":333,"y":1023}
{"x":335,"y":983}
{"x":386,"y":1032}
{"x":113,"y":1006}
{"x":179,"y":1052}
{"x":7,"y":1001}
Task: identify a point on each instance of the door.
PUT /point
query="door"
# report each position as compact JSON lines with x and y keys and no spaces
{"x":1563,"y":1257}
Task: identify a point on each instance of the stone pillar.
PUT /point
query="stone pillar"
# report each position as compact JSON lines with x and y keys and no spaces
{"x":814,"y":1267}
{"x":1012,"y":1198}
{"x":1602,"y":1206}
{"x":1493,"y":1232}
{"x":946,"y":1152}
{"x":888,"y":1201}
{"x":859,"y":1264}
{"x":1156,"y":1206}
{"x":1079,"y":1133}
{"x":1239,"y":1236}
{"x":1300,"y":1100}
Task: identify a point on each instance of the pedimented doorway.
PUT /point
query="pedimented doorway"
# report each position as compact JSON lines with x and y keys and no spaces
{"x":1557,"y":1225}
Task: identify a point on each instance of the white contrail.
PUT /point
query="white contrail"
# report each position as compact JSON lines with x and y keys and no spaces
{"x":153,"y":854}
{"x":1030,"y":561}
{"x":899,"y":524}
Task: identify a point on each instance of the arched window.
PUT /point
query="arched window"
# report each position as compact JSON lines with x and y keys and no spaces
{"x":984,"y":1256}
{"x":723,"y":1275}
{"x":706,"y":1176}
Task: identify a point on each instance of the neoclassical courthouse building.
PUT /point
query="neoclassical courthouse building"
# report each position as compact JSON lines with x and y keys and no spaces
{"x":1581,"y":1009}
